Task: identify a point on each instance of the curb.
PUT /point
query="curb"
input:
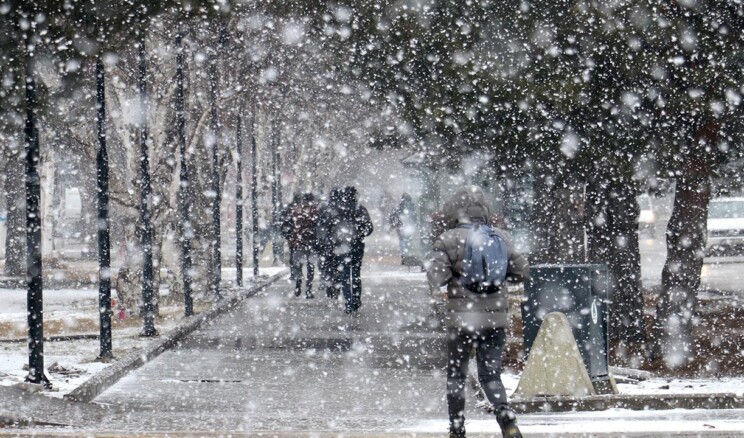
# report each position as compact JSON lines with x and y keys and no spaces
{"x":56,"y":338}
{"x":93,"y":387}
{"x":642,"y":402}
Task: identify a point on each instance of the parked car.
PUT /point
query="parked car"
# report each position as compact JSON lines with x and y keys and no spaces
{"x":725,"y":227}
{"x":647,"y":218}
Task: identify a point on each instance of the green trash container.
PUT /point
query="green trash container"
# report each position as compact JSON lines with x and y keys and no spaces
{"x":581,"y":293}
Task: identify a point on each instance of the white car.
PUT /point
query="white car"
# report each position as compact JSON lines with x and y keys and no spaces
{"x":725,"y":227}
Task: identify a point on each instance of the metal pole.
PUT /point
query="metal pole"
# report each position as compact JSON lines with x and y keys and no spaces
{"x":275,"y":250}
{"x":254,"y":197}
{"x":104,"y":237}
{"x":34,"y":295}
{"x":217,"y":198}
{"x":146,"y":237}
{"x":239,"y":205}
{"x":183,"y":190}
{"x":278,"y":147}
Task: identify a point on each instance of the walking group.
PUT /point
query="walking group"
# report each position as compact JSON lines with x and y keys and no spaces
{"x":331,"y":235}
{"x":469,"y":255}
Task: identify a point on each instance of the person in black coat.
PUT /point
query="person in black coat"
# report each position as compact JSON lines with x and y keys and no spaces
{"x":351,"y":263}
{"x":327,"y":215}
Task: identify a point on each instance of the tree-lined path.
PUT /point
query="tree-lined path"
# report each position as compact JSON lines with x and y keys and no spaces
{"x":282,"y":366}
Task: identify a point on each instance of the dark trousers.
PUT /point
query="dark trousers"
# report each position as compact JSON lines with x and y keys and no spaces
{"x":489,"y":346}
{"x":300,"y":258}
{"x":347,"y":281}
{"x":357,"y":255}
{"x":327,"y":266}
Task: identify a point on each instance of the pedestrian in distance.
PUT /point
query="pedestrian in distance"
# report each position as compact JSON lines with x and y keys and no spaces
{"x":328,"y":215}
{"x":475,"y":261}
{"x":364,"y":228}
{"x":349,"y":225}
{"x":299,"y":226}
{"x":404,"y":221}
{"x":286,"y":225}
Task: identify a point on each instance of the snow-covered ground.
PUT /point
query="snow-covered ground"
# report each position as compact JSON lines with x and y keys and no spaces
{"x":612,"y":422}
{"x":75,"y":312}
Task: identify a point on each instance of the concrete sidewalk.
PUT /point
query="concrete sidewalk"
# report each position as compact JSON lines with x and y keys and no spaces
{"x":281,"y":362}
{"x":280,"y":365}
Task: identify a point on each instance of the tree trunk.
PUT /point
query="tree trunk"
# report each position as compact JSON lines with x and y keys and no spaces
{"x":612,"y":239}
{"x":567,"y":227}
{"x":626,"y":313}
{"x":680,"y":278}
{"x":540,"y":220}
{"x":556,"y":229}
{"x":686,"y":238}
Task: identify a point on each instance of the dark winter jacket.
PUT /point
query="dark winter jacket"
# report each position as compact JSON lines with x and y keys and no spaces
{"x":300,"y":226}
{"x":468,"y":310}
{"x":364,"y":228}
{"x":327,"y":217}
{"x":346,"y":224}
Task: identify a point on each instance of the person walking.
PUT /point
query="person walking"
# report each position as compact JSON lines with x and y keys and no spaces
{"x":299,"y":226}
{"x":349,"y":225}
{"x":364,"y":228}
{"x":404,"y":221}
{"x":286,"y":225}
{"x":476,"y":308}
{"x":328,"y":215}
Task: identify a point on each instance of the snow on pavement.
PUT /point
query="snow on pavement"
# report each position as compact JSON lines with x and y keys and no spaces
{"x":76,"y":359}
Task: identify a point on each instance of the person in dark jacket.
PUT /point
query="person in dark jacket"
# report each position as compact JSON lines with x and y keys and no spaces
{"x":364,"y":228}
{"x":300,"y":225}
{"x":350,"y":224}
{"x":328,"y":213}
{"x":286,"y":225}
{"x":473,"y":320}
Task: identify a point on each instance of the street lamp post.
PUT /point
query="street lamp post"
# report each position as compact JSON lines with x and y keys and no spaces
{"x":104,"y":237}
{"x":254,"y":198}
{"x":34,"y":297}
{"x":183,"y":188}
{"x":145,"y":219}
{"x":239,"y":205}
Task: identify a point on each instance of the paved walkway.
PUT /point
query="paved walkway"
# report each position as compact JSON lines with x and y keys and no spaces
{"x":278,"y":365}
{"x":279,"y":362}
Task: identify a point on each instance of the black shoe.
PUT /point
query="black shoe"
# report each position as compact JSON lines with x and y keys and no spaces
{"x":508,"y":422}
{"x":298,"y":292}
{"x":309,"y":296}
{"x":457,"y":433}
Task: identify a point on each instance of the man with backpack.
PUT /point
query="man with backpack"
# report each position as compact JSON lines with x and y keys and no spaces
{"x":475,"y":261}
{"x":300,"y":226}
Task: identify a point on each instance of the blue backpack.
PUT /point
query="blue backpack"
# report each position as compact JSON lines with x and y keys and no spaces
{"x":485,"y":261}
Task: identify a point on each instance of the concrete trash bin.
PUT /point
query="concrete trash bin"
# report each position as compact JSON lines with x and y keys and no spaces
{"x":581,"y":293}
